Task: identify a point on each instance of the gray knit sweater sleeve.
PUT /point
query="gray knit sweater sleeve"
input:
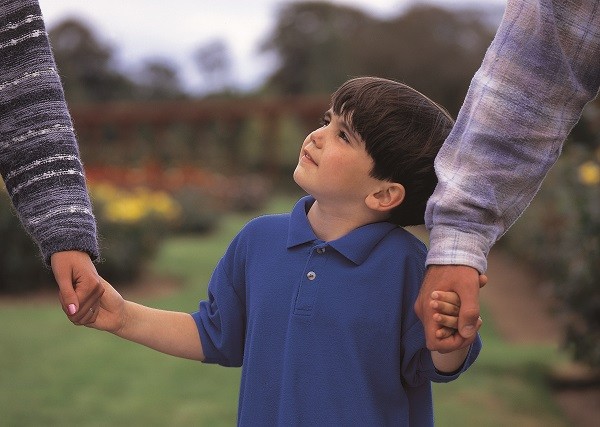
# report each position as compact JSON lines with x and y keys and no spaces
{"x":39,"y":157}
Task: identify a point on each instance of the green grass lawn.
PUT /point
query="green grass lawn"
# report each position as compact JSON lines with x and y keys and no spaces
{"x":54,"y":373}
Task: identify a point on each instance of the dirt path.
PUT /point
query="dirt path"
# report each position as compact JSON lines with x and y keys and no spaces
{"x":515,"y":286}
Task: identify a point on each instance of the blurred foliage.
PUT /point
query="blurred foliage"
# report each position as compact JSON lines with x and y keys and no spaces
{"x":131,"y":225}
{"x":21,"y":265}
{"x":86,"y":65}
{"x":215,"y":65}
{"x":206,"y":193}
{"x":89,"y":72}
{"x":134,"y":215}
{"x":560,"y":234}
{"x":320,"y":45}
{"x":158,"y":80}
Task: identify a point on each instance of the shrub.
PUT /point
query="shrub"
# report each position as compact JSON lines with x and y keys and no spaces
{"x":135,"y":209}
{"x":131,"y":226}
{"x":21,"y":265}
{"x":202,"y":194}
{"x":132,"y":223}
{"x":560,"y":234}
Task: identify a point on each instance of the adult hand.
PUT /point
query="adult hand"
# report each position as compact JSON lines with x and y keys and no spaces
{"x":79,"y":285}
{"x":463,"y":280}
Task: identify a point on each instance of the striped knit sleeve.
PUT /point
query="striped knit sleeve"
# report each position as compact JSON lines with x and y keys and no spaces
{"x":39,"y":156}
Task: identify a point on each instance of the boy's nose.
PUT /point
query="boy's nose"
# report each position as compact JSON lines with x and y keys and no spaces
{"x":316,"y":137}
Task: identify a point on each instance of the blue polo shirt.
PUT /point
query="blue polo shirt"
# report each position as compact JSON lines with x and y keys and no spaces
{"x":325,"y":331}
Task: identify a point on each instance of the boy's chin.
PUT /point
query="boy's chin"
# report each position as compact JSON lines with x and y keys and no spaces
{"x":298,"y":181}
{"x":296,"y":175}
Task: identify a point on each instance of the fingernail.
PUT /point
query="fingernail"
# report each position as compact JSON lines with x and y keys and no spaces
{"x":467,"y":331}
{"x":72,"y":309}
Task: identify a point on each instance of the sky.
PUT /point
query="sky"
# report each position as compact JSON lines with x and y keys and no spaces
{"x":174,"y":29}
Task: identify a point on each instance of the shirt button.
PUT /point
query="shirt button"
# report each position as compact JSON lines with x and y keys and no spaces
{"x":320,"y":250}
{"x":311,"y":275}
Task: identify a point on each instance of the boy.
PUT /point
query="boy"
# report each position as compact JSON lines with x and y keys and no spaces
{"x":317,"y":304}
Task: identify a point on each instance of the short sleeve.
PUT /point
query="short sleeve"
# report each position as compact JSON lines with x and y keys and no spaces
{"x":221,"y":321}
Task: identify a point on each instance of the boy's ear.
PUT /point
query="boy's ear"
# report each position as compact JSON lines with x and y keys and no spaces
{"x":387,"y":198}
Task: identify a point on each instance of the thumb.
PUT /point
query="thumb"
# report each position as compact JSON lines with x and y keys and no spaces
{"x":68,"y":297}
{"x":468,"y":316}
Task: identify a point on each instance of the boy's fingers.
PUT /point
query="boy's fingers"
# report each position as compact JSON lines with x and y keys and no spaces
{"x":447,"y":321}
{"x":445,"y":308}
{"x":443,"y":333}
{"x":452,"y":342}
{"x":448,"y":297}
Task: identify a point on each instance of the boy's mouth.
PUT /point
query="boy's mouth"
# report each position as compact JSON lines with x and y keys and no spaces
{"x":307,"y":157}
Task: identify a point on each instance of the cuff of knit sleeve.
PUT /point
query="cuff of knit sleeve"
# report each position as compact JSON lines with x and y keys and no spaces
{"x":450,"y":246}
{"x":78,"y":242}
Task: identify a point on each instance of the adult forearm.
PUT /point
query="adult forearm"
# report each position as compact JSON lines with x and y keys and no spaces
{"x":39,"y":157}
{"x":535,"y":79}
{"x":169,"y":332}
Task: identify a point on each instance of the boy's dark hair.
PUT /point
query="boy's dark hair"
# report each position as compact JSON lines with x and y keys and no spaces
{"x":403,"y":131}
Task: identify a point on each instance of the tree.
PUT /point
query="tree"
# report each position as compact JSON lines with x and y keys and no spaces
{"x":158,"y":80}
{"x":86,"y":65}
{"x":313,"y":41}
{"x":434,"y":50}
{"x":214,"y":63}
{"x":320,"y":45}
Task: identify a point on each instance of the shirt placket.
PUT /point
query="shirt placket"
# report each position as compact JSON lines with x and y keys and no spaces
{"x":310,"y":281}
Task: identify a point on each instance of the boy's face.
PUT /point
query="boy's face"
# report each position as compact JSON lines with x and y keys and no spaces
{"x":334,"y":163}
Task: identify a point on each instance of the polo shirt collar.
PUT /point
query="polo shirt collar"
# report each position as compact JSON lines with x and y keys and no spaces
{"x":356,"y":245}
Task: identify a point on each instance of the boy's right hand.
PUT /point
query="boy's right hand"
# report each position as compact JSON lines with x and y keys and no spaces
{"x":110,"y":314}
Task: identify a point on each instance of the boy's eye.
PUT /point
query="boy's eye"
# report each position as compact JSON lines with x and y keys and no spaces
{"x":344,"y":136}
{"x":323,"y":122}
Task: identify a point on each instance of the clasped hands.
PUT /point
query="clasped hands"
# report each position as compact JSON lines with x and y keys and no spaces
{"x":448,"y":301}
{"x":465,"y":282}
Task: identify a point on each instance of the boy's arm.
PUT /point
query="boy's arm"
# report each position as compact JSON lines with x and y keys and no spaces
{"x":446,"y":306}
{"x":169,"y":332}
{"x":451,"y":362}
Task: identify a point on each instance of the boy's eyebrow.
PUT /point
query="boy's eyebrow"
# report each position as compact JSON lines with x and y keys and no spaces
{"x":340,"y":118}
{"x":344,"y":125}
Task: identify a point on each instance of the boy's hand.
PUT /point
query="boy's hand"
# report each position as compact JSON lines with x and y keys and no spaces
{"x":446,"y":306}
{"x":110,"y":314}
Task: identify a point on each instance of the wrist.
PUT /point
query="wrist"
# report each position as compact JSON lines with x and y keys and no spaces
{"x":125,"y":319}
{"x":448,"y":246}
{"x":450,"y":363}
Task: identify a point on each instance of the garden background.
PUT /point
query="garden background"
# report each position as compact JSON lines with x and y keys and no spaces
{"x":173,"y":176}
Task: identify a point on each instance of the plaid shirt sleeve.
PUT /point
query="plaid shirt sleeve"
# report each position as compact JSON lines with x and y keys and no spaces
{"x":541,"y":69}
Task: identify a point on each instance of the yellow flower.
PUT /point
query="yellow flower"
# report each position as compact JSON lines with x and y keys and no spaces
{"x":103,"y":192}
{"x":164,"y":205}
{"x":589,"y":173}
{"x":130,"y":206}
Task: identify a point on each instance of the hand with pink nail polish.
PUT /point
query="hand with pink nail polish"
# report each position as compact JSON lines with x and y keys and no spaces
{"x":79,"y":285}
